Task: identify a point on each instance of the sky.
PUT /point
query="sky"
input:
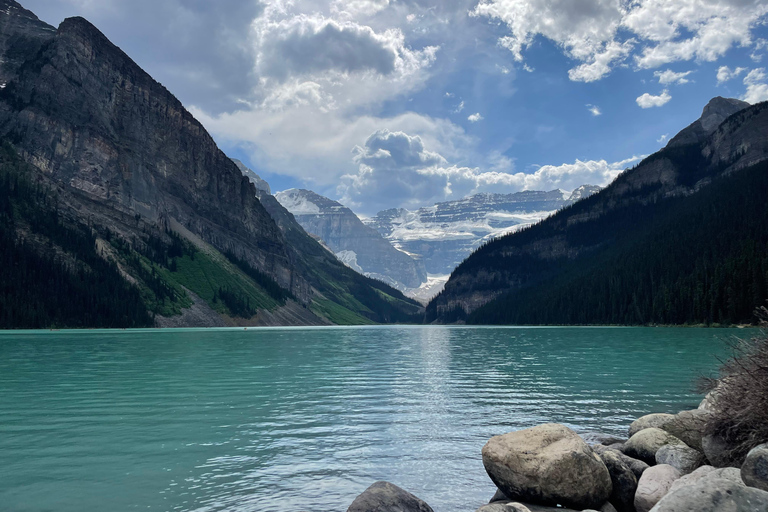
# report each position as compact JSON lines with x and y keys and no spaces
{"x":403,"y":103}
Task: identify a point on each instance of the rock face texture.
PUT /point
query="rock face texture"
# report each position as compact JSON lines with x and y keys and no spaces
{"x":549,"y":465}
{"x":253,"y":177}
{"x":22,"y":35}
{"x":716,"y":111}
{"x":387,"y":497}
{"x":713,"y":495}
{"x":357,"y":245}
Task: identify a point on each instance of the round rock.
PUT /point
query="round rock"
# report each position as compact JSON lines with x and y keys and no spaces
{"x":705,"y":474}
{"x":548,"y":465}
{"x":684,"y":458}
{"x":754,"y":471}
{"x":714,"y":495}
{"x":387,"y":497}
{"x":654,"y":485}
{"x":649,"y":421}
{"x":645,"y":443}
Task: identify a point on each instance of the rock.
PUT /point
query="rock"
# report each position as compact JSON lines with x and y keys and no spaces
{"x":608,"y":507}
{"x":623,"y":480}
{"x":549,"y":465}
{"x":688,"y":426}
{"x":649,"y":421}
{"x":705,"y":474}
{"x":754,"y":472}
{"x":387,"y":497}
{"x":645,"y":443}
{"x":684,"y":458}
{"x":499,"y":496}
{"x":506,"y":506}
{"x":654,"y":485}
{"x":596,"y":438}
{"x":714,"y":495}
{"x":638,"y":467}
{"x":719,"y":452}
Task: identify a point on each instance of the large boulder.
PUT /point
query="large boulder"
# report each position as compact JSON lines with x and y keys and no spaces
{"x":387,"y":497}
{"x":548,"y":465}
{"x":719,"y":452}
{"x":645,"y":443}
{"x":499,"y":496}
{"x":754,"y":471}
{"x":682,"y":457}
{"x":705,"y":474}
{"x":654,"y":485}
{"x":623,"y":480}
{"x":649,"y":421}
{"x":688,"y":426}
{"x":714,"y":495}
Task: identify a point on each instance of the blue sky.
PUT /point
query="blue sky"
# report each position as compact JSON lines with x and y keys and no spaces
{"x":402,"y":103}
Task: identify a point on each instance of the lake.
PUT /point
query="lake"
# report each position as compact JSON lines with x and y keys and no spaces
{"x":305,"y":419}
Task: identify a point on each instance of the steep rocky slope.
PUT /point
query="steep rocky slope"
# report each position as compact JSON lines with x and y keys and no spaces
{"x":676,"y":195}
{"x":357,"y":245}
{"x":123,"y":156}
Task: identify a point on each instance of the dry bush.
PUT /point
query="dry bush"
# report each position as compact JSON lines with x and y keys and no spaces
{"x":740,"y":415}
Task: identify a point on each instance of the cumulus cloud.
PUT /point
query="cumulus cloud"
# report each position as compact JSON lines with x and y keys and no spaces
{"x":648,"y":100}
{"x":594,"y":110}
{"x":396,"y":164}
{"x":601,"y":34}
{"x":757,"y":88}
{"x":668,"y":77}
{"x":724,"y":74}
{"x":474,"y":118}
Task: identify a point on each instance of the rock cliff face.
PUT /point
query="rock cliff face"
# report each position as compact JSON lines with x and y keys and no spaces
{"x":252,"y":176}
{"x":443,"y":235}
{"x":357,"y":245}
{"x":127,"y":159}
{"x":638,"y":201}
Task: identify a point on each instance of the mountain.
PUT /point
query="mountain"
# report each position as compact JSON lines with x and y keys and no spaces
{"x":716,"y":111}
{"x":679,"y":239}
{"x":355,"y":244}
{"x":443,"y":235}
{"x":252,"y":176}
{"x":97,"y":151}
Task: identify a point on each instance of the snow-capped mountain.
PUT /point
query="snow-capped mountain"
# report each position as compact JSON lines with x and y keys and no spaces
{"x":355,"y":244}
{"x":443,"y":235}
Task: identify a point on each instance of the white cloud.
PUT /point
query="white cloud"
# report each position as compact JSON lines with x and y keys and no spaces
{"x":648,"y":100}
{"x":474,"y":118}
{"x":668,"y":77}
{"x":757,"y":88}
{"x":395,"y":164}
{"x":459,"y":108}
{"x":594,"y":110}
{"x":663,"y":138}
{"x":724,"y":74}
{"x":601,"y":34}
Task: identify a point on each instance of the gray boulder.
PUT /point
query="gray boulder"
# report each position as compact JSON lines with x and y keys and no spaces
{"x":688,"y":426}
{"x":506,"y":506}
{"x":548,"y":465}
{"x":623,"y":480}
{"x":705,"y":474}
{"x":754,"y":471}
{"x":719,"y":452}
{"x":654,"y":485}
{"x":649,"y":421}
{"x":387,"y":497}
{"x":637,"y":466}
{"x":645,"y":443}
{"x":714,"y":495}
{"x":680,"y":456}
{"x":499,"y":496}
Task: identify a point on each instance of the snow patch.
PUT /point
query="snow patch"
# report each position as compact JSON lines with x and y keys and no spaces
{"x":293,"y":201}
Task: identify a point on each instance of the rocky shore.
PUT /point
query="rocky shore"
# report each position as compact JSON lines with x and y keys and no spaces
{"x":667,"y":463}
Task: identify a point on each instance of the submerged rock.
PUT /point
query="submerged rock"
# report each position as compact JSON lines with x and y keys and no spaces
{"x":754,"y":472}
{"x":654,"y":485}
{"x":645,"y":443}
{"x":387,"y":497}
{"x":550,"y":465}
{"x":682,"y":457}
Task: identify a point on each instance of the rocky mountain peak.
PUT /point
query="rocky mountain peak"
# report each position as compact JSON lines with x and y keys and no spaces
{"x":715,"y":112}
{"x":252,"y":176}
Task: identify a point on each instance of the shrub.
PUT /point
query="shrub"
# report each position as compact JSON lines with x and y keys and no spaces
{"x":740,"y":413}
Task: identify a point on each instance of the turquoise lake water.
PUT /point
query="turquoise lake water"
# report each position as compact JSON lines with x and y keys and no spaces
{"x":305,"y":419}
